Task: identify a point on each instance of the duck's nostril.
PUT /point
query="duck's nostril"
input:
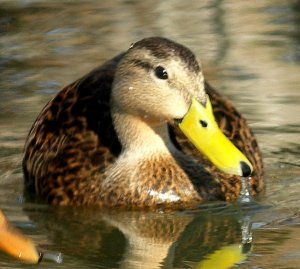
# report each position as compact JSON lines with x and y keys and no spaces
{"x":246,"y":170}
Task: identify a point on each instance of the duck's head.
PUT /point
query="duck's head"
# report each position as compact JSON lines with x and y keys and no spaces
{"x":159,"y":81}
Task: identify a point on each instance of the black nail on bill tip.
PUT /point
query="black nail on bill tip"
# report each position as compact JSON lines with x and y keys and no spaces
{"x":246,"y":170}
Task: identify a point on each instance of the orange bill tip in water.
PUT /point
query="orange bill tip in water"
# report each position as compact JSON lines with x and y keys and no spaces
{"x":14,"y":243}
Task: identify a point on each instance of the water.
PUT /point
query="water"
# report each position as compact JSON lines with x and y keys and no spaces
{"x":244,"y":196}
{"x":250,"y":51}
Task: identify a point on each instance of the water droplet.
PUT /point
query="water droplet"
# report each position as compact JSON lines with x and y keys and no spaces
{"x":246,"y":230}
{"x":245,"y":196}
{"x":55,"y":257}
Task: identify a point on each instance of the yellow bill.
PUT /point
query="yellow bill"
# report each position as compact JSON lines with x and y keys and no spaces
{"x":224,"y":258}
{"x":201,"y":129}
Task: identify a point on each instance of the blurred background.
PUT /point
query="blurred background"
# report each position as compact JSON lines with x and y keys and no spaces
{"x":250,"y":52}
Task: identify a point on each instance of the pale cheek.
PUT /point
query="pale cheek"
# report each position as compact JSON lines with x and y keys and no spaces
{"x":162,"y":111}
{"x":176,"y":109}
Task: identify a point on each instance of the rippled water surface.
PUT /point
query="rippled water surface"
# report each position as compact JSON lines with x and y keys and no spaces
{"x":250,"y":51}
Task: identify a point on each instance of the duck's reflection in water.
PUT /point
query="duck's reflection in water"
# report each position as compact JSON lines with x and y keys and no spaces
{"x":137,"y":239}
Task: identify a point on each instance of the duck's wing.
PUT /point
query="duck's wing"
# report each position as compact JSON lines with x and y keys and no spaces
{"x":73,"y":140}
{"x":236,"y":129}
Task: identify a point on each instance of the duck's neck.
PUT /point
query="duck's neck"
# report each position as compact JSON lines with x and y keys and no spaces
{"x":138,"y":136}
{"x":149,"y":163}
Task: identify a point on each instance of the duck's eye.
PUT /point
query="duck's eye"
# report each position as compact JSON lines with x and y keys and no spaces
{"x":161,"y":72}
